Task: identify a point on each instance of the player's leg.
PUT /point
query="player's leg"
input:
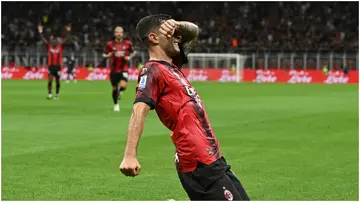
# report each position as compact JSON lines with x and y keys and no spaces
{"x":114,"y":79}
{"x":49,"y":85}
{"x":123,"y":83}
{"x":68,"y":75}
{"x":192,"y":188}
{"x":238,"y":185}
{"x":224,"y":190}
{"x":73,"y":75}
{"x":49,"y":81}
{"x":57,"y":79}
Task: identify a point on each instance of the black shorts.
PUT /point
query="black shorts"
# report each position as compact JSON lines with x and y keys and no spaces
{"x":213,"y":182}
{"x":116,"y":77}
{"x":54,"y":70}
{"x":70,"y":70}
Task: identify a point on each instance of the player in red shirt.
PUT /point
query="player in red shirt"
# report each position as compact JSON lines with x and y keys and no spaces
{"x":120,"y":52}
{"x":162,"y":86}
{"x":55,"y":50}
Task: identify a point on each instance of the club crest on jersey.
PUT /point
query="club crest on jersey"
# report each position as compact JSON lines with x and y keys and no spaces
{"x":142,"y":83}
{"x":228,"y":195}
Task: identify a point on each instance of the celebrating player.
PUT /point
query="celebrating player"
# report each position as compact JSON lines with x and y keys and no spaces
{"x":162,"y":86}
{"x":55,"y":50}
{"x":120,"y":52}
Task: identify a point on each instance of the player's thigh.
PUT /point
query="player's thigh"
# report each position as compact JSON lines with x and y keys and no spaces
{"x":193,"y":189}
{"x":124,"y":79}
{"x":223,"y":190}
{"x":238,"y":185}
{"x":114,"y":79}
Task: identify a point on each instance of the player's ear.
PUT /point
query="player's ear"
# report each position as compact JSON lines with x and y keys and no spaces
{"x":153,"y":38}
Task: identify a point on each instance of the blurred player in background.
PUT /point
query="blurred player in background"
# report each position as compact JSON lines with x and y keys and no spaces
{"x":55,"y":50}
{"x":162,"y":86}
{"x":70,"y":63}
{"x":120,"y":52}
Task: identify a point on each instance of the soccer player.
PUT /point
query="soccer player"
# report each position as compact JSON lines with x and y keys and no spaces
{"x":120,"y":52}
{"x":71,"y":69}
{"x":162,"y":86}
{"x":55,"y":50}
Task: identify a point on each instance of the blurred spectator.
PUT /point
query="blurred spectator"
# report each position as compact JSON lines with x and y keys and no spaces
{"x":225,"y":26}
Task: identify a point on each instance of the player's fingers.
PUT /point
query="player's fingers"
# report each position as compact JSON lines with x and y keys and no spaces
{"x":165,"y":29}
{"x":162,"y":31}
{"x":172,"y":22}
{"x":137,"y":170}
{"x":132,"y":172}
{"x":169,"y":26}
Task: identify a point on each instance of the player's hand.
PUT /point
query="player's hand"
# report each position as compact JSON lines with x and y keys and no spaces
{"x":68,"y":28}
{"x":130,"y":166}
{"x":40,"y":28}
{"x":168,"y":28}
{"x":127,"y":58}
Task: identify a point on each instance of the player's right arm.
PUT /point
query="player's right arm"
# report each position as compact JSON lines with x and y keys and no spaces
{"x":108,"y":51}
{"x":40,"y":29}
{"x":149,"y":88}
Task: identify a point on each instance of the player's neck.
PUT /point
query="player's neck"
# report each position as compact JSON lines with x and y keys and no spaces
{"x":118,"y":40}
{"x":159,"y":55}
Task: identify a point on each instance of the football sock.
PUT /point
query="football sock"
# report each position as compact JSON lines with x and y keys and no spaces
{"x":57,"y":88}
{"x":49,"y":87}
{"x":115,"y":94}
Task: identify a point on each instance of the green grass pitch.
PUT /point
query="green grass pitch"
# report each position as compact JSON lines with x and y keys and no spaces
{"x":284,"y":142}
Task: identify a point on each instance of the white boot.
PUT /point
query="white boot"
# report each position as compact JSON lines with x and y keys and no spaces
{"x":117,"y":108}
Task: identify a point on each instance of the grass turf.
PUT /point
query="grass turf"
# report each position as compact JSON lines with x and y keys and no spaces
{"x":284,"y":142}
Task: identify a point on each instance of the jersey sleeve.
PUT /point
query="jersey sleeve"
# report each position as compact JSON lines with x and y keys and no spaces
{"x":108,"y":48}
{"x":150,"y":85}
{"x":130,"y":47}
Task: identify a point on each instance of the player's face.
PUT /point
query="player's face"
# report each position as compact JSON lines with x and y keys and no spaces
{"x":119,"y":33}
{"x":54,"y":42}
{"x":170,"y":45}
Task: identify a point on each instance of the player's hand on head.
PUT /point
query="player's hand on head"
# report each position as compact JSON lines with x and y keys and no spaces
{"x":168,"y":28}
{"x":130,"y":167}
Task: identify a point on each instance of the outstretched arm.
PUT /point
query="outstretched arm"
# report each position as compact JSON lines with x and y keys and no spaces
{"x":40,"y":29}
{"x":130,"y":165}
{"x":67,"y":36}
{"x":136,"y":127}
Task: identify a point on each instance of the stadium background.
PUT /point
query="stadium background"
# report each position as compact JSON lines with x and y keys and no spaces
{"x":285,"y":142}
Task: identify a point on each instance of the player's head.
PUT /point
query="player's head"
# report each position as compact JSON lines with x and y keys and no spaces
{"x":148,"y":32}
{"x":119,"y":33}
{"x":53,"y":41}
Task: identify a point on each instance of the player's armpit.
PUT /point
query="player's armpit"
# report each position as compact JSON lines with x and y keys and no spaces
{"x":136,"y":127}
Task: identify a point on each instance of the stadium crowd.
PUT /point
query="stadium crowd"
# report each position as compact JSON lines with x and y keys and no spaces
{"x":225,"y":26}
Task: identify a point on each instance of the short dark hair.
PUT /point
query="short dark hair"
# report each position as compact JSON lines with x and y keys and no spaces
{"x":147,"y":24}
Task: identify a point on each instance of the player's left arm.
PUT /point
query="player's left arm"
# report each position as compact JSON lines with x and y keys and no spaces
{"x":67,"y":34}
{"x":131,"y":51}
{"x":189,"y":32}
